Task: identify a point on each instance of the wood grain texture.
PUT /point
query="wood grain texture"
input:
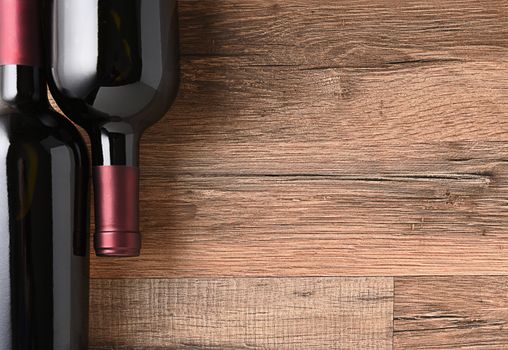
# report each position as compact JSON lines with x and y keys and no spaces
{"x":330,"y":138}
{"x":325,"y":70}
{"x":323,"y":138}
{"x":317,"y":32}
{"x":451,"y":313}
{"x":261,"y":313}
{"x":450,"y":219}
{"x":291,"y":225}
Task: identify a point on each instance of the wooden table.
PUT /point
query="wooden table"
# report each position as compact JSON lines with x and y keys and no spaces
{"x":333,"y":175}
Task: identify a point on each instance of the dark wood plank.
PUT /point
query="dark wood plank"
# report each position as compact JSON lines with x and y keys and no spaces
{"x":358,"y":33}
{"x":224,"y":100}
{"x":451,"y":313}
{"x":325,"y":70}
{"x":259,"y":313}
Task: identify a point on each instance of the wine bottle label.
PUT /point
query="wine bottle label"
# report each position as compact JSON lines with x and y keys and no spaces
{"x":19,"y":32}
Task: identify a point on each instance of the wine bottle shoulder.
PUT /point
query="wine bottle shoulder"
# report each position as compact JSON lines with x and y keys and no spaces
{"x":116,"y":62}
{"x":44,"y":131}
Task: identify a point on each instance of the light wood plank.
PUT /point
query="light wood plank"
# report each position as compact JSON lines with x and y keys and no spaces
{"x":320,"y":158}
{"x":260,"y":313}
{"x":451,"y":313}
{"x":369,"y":224}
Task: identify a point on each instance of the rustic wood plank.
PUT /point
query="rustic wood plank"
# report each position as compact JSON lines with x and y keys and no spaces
{"x":450,"y":219}
{"x":451,"y":313}
{"x":346,"y":159}
{"x":260,"y":313}
{"x":327,"y":32}
{"x":325,"y":70}
{"x":226,"y":101}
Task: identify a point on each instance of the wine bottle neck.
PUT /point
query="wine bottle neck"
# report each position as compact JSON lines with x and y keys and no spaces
{"x":22,"y":88}
{"x":114,"y":147}
{"x":22,"y":82}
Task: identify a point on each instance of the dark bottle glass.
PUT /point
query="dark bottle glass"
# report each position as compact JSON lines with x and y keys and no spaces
{"x":44,"y":197}
{"x":114,"y":66}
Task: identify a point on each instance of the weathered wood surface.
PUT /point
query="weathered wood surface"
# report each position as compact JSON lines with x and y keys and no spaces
{"x":451,"y":313}
{"x":330,"y":138}
{"x":323,"y":138}
{"x":300,"y":225}
{"x":259,"y":313}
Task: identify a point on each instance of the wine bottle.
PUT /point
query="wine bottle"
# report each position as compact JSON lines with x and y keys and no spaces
{"x":114,"y":66}
{"x":43,"y":199}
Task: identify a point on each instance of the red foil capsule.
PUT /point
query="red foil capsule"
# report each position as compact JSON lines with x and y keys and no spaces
{"x":116,"y":211}
{"x":19,"y":32}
